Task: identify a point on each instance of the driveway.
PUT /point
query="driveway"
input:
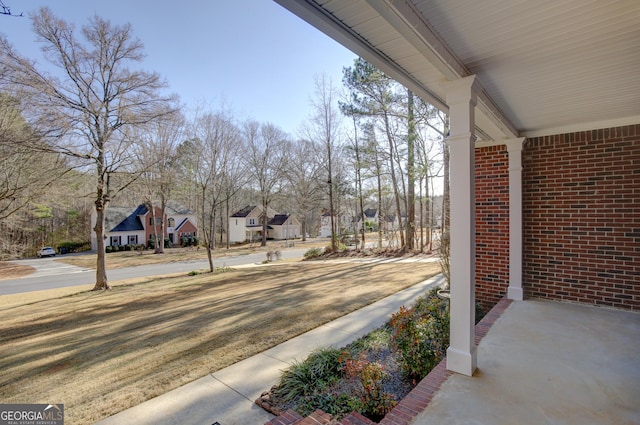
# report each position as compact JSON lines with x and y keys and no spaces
{"x":49,"y":267}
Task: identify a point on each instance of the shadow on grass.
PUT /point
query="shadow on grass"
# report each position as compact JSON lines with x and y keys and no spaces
{"x":165,"y":333}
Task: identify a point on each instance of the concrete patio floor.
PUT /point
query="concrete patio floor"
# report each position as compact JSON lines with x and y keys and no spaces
{"x":548,"y":363}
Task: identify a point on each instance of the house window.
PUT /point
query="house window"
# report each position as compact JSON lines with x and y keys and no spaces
{"x":115,"y":240}
{"x":133,"y":239}
{"x":171,"y":222}
{"x":252,"y":221}
{"x":158,"y":221}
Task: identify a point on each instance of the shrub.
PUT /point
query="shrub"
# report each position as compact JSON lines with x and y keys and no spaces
{"x":313,"y":253}
{"x":421,"y":335}
{"x":68,"y":246}
{"x":340,"y":404}
{"x":306,"y":378}
{"x":223,"y":269}
{"x":375,"y":402}
{"x":187,"y":241}
{"x":108,"y":249}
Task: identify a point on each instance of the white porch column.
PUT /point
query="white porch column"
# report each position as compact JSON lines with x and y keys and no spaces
{"x":461,"y":98}
{"x":514,"y":149}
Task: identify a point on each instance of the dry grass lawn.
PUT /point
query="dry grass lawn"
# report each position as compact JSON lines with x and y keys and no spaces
{"x":116,"y":260}
{"x":14,"y":271}
{"x":102,"y":352}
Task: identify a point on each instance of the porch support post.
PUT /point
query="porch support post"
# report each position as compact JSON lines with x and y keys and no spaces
{"x":514,"y":149}
{"x":462,"y":98}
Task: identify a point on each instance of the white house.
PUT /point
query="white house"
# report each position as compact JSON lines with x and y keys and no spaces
{"x":246,"y":225}
{"x":344,"y":223}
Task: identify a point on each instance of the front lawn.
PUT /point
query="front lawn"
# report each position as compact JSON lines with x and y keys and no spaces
{"x":100,"y":352}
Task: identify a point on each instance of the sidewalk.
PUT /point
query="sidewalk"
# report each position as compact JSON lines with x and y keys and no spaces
{"x":228,"y":396}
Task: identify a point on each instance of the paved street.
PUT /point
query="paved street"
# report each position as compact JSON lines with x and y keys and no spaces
{"x":52,"y":274}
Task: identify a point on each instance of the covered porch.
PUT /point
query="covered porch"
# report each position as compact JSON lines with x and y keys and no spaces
{"x":543,"y":100}
{"x":539,"y":362}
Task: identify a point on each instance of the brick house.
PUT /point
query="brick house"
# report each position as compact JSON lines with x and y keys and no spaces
{"x":136,"y":225}
{"x":543,"y":100}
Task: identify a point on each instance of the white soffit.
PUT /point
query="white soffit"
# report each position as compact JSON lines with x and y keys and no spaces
{"x":546,"y":66}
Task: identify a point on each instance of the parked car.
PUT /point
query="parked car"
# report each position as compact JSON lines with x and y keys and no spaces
{"x":46,"y":251}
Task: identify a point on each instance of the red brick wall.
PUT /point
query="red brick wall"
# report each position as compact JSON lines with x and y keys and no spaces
{"x":492,"y":225}
{"x":581,"y":217}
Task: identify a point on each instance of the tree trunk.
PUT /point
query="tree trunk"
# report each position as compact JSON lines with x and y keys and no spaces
{"x":445,"y":190}
{"x":420,"y":183}
{"x":380,"y":217}
{"x":303,"y":221}
{"x":411,"y":208}
{"x":264,"y":222}
{"x":101,"y":263}
{"x":160,"y":243}
{"x":394,"y":180}
{"x":227,"y":222}
{"x":211,"y":239}
{"x":334,"y":246}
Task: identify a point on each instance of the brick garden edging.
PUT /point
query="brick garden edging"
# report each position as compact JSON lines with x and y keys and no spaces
{"x":414,"y":402}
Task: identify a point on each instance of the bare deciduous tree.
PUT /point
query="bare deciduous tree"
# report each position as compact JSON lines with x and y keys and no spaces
{"x":25,"y":173}
{"x":217,"y":140}
{"x":304,"y":174}
{"x":89,"y":106}
{"x":323,"y":129}
{"x":156,"y":151}
{"x":266,"y":161}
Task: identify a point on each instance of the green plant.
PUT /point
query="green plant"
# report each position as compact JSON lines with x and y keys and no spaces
{"x":223,"y":269}
{"x":421,"y":335}
{"x":187,"y":241}
{"x":375,"y":339}
{"x":68,"y":246}
{"x":313,"y":253}
{"x":309,"y":376}
{"x":334,"y":404}
{"x":375,"y":402}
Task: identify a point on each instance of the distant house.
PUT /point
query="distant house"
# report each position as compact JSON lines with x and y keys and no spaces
{"x":246,"y":225}
{"x":136,"y":225}
{"x":370,"y":219}
{"x":344,"y":223}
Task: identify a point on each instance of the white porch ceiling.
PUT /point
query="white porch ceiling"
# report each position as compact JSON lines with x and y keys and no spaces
{"x":546,"y":66}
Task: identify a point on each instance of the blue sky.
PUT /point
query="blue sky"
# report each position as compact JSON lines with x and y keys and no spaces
{"x":253,"y":55}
